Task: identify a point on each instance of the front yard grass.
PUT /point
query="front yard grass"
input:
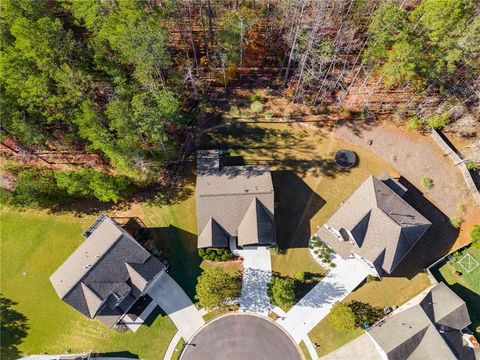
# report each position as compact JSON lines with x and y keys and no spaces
{"x":33,"y":245}
{"x":467,"y":285}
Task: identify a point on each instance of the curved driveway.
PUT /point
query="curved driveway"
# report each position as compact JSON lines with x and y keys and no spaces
{"x":241,"y":337}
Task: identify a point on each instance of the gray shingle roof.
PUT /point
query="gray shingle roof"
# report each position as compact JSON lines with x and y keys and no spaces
{"x":257,"y":226}
{"x":414,"y":333}
{"x":225,"y":194}
{"x":381,"y":222}
{"x":107,"y":266}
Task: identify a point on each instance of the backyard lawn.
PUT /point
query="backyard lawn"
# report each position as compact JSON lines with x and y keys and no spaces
{"x":466,"y":285}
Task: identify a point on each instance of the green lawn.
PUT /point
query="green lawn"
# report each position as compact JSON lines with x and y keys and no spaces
{"x":34,"y":244}
{"x":467,"y":285}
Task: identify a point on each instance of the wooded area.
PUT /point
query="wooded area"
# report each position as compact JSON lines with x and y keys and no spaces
{"x":129,"y":80}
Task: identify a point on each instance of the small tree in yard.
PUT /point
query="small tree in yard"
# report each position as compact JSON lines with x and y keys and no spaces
{"x":475,"y":235}
{"x":365,"y":313}
{"x":215,"y":287}
{"x":281,"y":292}
{"x":342,"y":317}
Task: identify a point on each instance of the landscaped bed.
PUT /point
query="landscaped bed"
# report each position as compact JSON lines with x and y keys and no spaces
{"x":461,"y":272}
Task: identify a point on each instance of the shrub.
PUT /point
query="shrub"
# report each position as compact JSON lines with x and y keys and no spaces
{"x":268,"y":114}
{"x":472,"y":166}
{"x":316,"y":251}
{"x":342,"y":317}
{"x":370,"y":278}
{"x":427,"y":182}
{"x":256,"y":107}
{"x":281,"y":292}
{"x":438,"y":121}
{"x":212,"y":254}
{"x":475,"y":236}
{"x":274,"y":250}
{"x":257,"y":96}
{"x":456,"y":222}
{"x":414,"y":123}
{"x":299,"y":276}
{"x":37,"y":188}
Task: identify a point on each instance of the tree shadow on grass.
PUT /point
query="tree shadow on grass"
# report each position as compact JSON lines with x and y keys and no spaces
{"x":14,"y":329}
{"x":434,"y":244}
{"x":179,"y":249}
{"x":295,"y":204}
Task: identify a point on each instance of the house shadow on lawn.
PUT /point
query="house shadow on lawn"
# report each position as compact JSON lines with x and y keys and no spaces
{"x":178,"y":248}
{"x":118,"y":355}
{"x":295,"y":204}
{"x":434,"y":244}
{"x":13,"y":330}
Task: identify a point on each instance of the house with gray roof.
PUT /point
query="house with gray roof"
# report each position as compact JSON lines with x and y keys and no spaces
{"x":233,"y":203}
{"x":375,"y":225}
{"x":107,"y":273}
{"x":433,"y":325}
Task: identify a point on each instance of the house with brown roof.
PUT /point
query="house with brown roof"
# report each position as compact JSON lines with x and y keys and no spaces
{"x":375,"y":225}
{"x":107,"y":273}
{"x":234,"y":203}
{"x":431,"y":326}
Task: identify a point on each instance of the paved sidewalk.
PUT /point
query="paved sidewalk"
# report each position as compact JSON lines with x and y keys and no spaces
{"x":314,"y":306}
{"x":172,"y":346}
{"x":257,"y":272}
{"x":177,"y":305}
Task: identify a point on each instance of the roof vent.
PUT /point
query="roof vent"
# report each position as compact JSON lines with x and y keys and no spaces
{"x":246,"y":190}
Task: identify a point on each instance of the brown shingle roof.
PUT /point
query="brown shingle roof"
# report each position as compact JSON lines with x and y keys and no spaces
{"x":224,"y":195}
{"x":382,"y":223}
{"x":414,"y":333}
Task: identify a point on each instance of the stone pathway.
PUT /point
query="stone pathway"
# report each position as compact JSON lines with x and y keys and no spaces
{"x":177,"y":305}
{"x":316,"y":304}
{"x":257,"y":272}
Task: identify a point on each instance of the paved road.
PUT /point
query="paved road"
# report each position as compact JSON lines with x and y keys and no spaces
{"x":257,"y":272}
{"x":177,"y":305}
{"x":314,"y":306}
{"x":241,"y":337}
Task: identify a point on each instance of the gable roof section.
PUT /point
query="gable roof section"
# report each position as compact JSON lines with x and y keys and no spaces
{"x":92,"y":300}
{"x":257,"y":226}
{"x":414,"y":333}
{"x":382,"y":221}
{"x":224,"y":194}
{"x":213,"y":235}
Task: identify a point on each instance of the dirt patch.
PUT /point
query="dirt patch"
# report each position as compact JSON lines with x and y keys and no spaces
{"x":414,"y":156}
{"x":467,"y":225}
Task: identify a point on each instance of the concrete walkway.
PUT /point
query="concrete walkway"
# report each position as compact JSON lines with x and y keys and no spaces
{"x":314,"y":306}
{"x":171,"y":347}
{"x":257,"y":272}
{"x":177,"y":305}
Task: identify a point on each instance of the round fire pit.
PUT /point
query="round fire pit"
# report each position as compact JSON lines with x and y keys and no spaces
{"x":345,"y":158}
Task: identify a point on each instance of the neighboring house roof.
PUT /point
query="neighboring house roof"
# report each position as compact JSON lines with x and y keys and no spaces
{"x":383,"y":225}
{"x":226,"y":196}
{"x":427,"y":330}
{"x":107,"y":267}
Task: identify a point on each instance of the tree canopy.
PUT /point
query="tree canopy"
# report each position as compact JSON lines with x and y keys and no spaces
{"x":215,"y":287}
